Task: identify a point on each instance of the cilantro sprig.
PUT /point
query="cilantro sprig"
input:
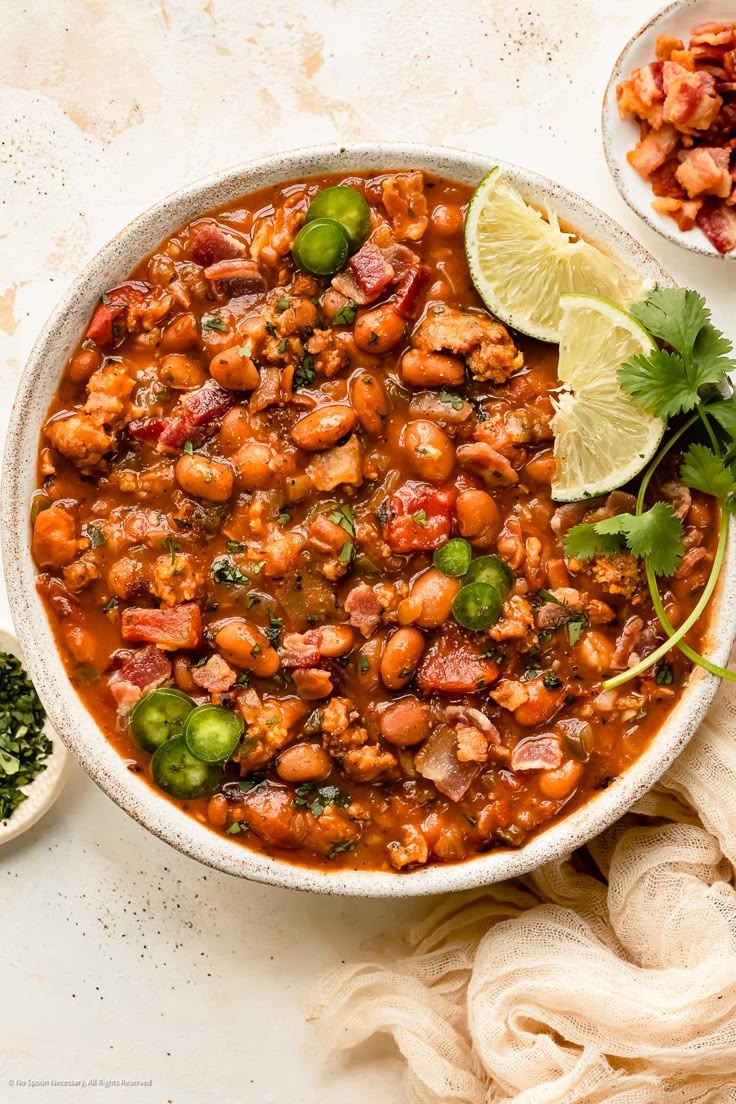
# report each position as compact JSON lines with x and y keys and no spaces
{"x":686,"y":375}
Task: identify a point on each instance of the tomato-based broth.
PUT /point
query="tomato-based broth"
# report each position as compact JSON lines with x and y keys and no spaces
{"x":244,"y":478}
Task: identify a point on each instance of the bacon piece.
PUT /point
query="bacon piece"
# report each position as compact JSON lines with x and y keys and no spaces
{"x":452,"y":665}
{"x":536,"y":753}
{"x":705,"y":171}
{"x":691,"y":101}
{"x":146,"y":429}
{"x":718,"y":223}
{"x":666,"y":45}
{"x":206,"y":403}
{"x":409,"y":292}
{"x":105,"y":328}
{"x":626,"y":643}
{"x":664,"y":180}
{"x":236,"y":277}
{"x":146,"y":669}
{"x":297,"y":651}
{"x":653,"y":150}
{"x":363,"y":609}
{"x":215,"y":675}
{"x":419,"y":517}
{"x":643,"y":94}
{"x":176,"y":432}
{"x":174,"y":628}
{"x":211,"y":243}
{"x":370,"y":270}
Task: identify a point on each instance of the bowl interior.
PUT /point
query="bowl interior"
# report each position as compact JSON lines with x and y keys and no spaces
{"x":621,"y":135}
{"x":71,"y":719}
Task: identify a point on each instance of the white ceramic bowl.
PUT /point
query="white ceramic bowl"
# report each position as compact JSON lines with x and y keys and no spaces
{"x":621,"y":135}
{"x":69,"y":716}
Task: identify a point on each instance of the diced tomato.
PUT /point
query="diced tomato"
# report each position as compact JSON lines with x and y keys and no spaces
{"x":211,"y":243}
{"x":371,"y":270}
{"x":452,"y":665}
{"x":105,"y":329}
{"x":205,"y":403}
{"x":409,"y":292}
{"x":171,"y":629}
{"x":419,"y":517}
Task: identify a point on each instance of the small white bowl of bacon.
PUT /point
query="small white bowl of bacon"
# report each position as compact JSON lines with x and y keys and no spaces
{"x":669,"y":125}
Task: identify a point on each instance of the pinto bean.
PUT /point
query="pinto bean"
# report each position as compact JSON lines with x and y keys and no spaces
{"x":370,"y":402}
{"x":181,"y":372}
{"x":254,"y":465}
{"x":304,"y":763}
{"x":406,"y":722}
{"x":369,"y":664}
{"x":204,"y":478}
{"x":322,"y":428}
{"x":401,"y":657}
{"x":541,"y":705}
{"x":245,"y":646}
{"x":429,"y":450}
{"x":183,"y":675}
{"x":217,"y":810}
{"x":478,"y":518}
{"x":84,"y":364}
{"x":182,"y":333}
{"x":335,"y":640}
{"x":235,"y":430}
{"x":378,"y":331}
{"x":541,"y":469}
{"x":436,"y":593}
{"x":447,"y":219}
{"x":559,"y":783}
{"x":420,"y":369}
{"x":234,"y":371}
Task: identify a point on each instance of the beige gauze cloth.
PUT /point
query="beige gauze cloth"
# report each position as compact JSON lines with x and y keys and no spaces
{"x":606,"y":979}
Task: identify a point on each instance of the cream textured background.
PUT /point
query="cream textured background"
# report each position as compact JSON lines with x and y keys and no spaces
{"x":119,"y":958}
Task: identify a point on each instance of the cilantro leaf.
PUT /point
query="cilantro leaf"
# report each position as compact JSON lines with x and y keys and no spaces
{"x":583,"y":542}
{"x":712,"y":349}
{"x":656,"y":535}
{"x":658,"y":383}
{"x":706,"y":472}
{"x":724,"y":413}
{"x":674,"y":315}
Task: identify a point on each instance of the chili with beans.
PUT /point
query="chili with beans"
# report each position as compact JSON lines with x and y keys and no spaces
{"x":294,"y":532}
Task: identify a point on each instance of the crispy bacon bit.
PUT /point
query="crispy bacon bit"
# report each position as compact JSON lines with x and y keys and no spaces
{"x":363,"y":609}
{"x":206,"y":403}
{"x":146,"y":429}
{"x":145,"y":669}
{"x":419,"y":517}
{"x":216,"y":675}
{"x":194,"y":409}
{"x":170,"y":629}
{"x":212,"y":243}
{"x":409,"y":292}
{"x":452,"y":665}
{"x":108,"y":325}
{"x":718,"y":223}
{"x":370,"y":270}
{"x":683,"y":101}
{"x":297,"y":651}
{"x":536,"y":753}
{"x":706,"y":171}
{"x":236,"y":277}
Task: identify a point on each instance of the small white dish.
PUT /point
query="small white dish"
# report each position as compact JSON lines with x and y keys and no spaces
{"x":46,"y":786}
{"x":621,"y":135}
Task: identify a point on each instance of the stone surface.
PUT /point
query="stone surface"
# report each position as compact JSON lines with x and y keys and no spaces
{"x":122,"y":959}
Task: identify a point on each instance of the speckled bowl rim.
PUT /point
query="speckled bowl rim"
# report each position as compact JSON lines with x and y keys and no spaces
{"x":66,"y":711}
{"x":624,"y":176}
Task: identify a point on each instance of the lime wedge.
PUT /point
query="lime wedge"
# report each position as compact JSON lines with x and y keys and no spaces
{"x":602,"y":440}
{"x":521,"y":263}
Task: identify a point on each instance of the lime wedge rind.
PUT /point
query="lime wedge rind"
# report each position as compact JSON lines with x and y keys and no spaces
{"x":602,"y":439}
{"x":521,"y":263}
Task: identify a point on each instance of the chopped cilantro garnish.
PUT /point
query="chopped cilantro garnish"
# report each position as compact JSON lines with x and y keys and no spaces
{"x":214,"y":322}
{"x":234,"y":546}
{"x":453,"y":400}
{"x":225,"y":571}
{"x":317,"y":798}
{"x":420,"y":518}
{"x":111,"y":605}
{"x":655,"y":534}
{"x":95,"y":535}
{"x":188,"y":447}
{"x":24,"y":745}
{"x":246,"y":350}
{"x":282,"y":303}
{"x":172,"y":547}
{"x":305,"y":372}
{"x":346,"y":314}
